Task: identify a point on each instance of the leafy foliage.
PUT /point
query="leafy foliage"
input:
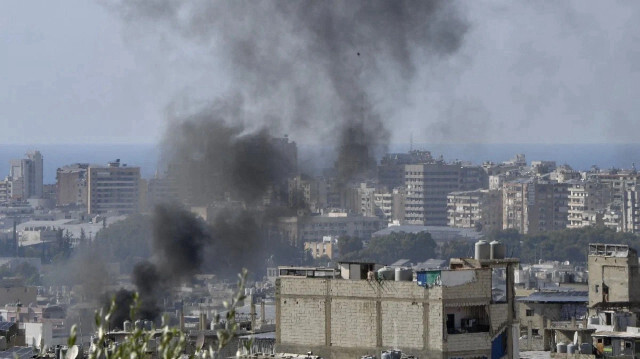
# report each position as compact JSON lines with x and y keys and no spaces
{"x":24,"y":270}
{"x":171,"y":342}
{"x":567,"y":244}
{"x":388,"y":249}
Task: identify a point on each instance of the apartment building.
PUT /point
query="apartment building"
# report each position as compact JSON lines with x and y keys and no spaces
{"x":533,"y":206}
{"x":391,"y":171}
{"x":71,"y":185}
{"x":450,"y":313}
{"x":480,"y":209}
{"x":113,"y":188}
{"x":26,"y":176}
{"x":428,"y":185}
{"x":587,"y":202}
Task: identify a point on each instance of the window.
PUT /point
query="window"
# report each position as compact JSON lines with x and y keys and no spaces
{"x":607,"y":318}
{"x":529,"y":313}
{"x":534,"y":332}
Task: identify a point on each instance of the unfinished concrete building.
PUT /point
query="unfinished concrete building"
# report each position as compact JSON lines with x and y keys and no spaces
{"x":454,"y":313}
{"x":614,"y":299}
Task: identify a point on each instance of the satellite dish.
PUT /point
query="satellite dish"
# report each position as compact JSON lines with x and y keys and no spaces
{"x":199,"y":342}
{"x":72,"y":353}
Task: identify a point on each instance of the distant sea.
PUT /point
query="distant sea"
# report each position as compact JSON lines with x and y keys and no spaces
{"x":578,"y":156}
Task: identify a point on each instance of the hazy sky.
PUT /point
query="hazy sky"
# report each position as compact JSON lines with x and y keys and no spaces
{"x":537,"y":71}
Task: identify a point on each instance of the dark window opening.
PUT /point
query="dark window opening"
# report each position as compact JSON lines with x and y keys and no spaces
{"x":529,"y":312}
{"x":607,"y":318}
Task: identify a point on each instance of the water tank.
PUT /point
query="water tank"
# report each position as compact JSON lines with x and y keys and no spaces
{"x":148,"y":325}
{"x":561,"y":347}
{"x":586,"y":348}
{"x":571,"y":348}
{"x":126,"y":326}
{"x":497,"y":250}
{"x":404,"y":274}
{"x":482,"y":250}
{"x":386,"y":273}
{"x":385,"y":355}
{"x":138,"y":324}
{"x":395,"y":354}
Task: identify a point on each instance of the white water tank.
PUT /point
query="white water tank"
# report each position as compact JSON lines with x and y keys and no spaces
{"x":386,"y":273}
{"x":126,"y":326}
{"x":482,"y":250}
{"x":497,"y":250}
{"x":571,"y":348}
{"x":404,"y":274}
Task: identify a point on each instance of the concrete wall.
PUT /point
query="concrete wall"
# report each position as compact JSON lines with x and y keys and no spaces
{"x":337,"y":318}
{"x":617,"y":273}
{"x":348,"y":318}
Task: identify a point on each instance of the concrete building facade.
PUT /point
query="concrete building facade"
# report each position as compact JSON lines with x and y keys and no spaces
{"x":587,"y":202}
{"x":71,"y":185}
{"x":113,"y":188}
{"x":26,"y":175}
{"x":454,"y":316}
{"x":533,"y":206}
{"x":427,"y":188}
{"x":480,"y":209}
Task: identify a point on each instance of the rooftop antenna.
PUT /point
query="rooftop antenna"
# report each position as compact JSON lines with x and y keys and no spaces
{"x":411,"y":142}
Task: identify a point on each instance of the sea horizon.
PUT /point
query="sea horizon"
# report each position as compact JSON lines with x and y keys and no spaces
{"x":146,"y":155}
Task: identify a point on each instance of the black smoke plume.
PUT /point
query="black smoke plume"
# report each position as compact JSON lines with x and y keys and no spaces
{"x":179,"y":239}
{"x":211,"y":160}
{"x":321,"y":70}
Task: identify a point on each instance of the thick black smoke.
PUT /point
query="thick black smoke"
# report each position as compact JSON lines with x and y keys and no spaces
{"x":179,"y":240}
{"x":211,"y":160}
{"x":320,"y":70}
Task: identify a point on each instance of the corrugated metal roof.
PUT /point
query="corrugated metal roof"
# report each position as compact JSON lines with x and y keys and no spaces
{"x":557,"y":297}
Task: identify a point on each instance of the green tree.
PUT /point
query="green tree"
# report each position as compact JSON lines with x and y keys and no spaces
{"x":348,"y":245}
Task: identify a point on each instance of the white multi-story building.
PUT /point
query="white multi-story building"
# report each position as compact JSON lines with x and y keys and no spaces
{"x":25,"y":176}
{"x":587,"y":202}
{"x":429,"y":184}
{"x":480,"y":209}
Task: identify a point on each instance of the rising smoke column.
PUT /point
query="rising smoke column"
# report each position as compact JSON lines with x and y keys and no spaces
{"x":320,"y":70}
{"x":316,"y":69}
